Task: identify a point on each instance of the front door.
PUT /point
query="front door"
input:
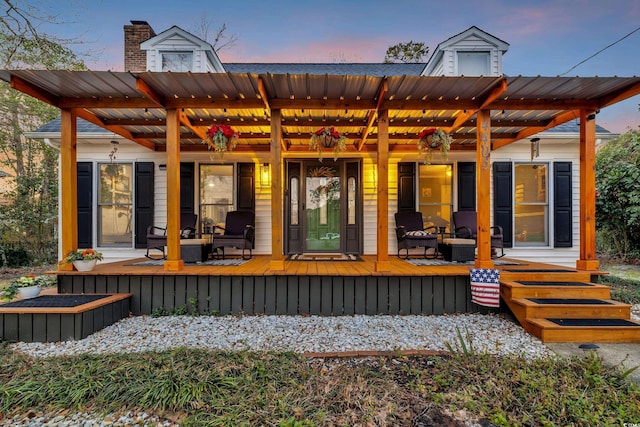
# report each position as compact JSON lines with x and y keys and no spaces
{"x":324,"y":207}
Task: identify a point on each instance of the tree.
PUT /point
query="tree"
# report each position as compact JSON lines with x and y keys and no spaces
{"x":219,"y":39}
{"x":29,"y":222}
{"x":409,"y":53}
{"x":618,"y":194}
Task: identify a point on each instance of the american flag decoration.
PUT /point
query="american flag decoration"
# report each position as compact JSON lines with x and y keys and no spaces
{"x":485,"y":287}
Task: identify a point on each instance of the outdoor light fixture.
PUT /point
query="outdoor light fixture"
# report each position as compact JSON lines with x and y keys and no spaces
{"x":535,"y":148}
{"x":591,"y":116}
{"x":265,"y":175}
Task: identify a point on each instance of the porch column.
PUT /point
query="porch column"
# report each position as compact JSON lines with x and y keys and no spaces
{"x":587,"y":259}
{"x":68,"y":186}
{"x":277,"y":256}
{"x":173,"y":262}
{"x":382,"y":262}
{"x":483,"y":184}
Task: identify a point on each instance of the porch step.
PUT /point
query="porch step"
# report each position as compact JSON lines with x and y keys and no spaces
{"x":533,"y":308}
{"x":515,"y":273}
{"x":585,"y":330}
{"x":550,"y":289}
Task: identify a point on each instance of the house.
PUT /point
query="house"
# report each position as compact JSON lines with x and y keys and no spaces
{"x":539,"y":216}
{"x":132,"y":155}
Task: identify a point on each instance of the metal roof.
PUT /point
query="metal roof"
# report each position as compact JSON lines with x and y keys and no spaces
{"x":135,"y":105}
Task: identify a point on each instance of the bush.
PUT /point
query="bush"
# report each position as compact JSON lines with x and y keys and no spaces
{"x":14,"y":257}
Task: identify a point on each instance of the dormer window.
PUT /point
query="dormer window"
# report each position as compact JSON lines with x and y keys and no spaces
{"x":177,"y":61}
{"x":473,"y":63}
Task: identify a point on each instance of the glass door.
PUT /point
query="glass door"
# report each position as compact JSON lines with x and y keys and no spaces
{"x":323,"y":208}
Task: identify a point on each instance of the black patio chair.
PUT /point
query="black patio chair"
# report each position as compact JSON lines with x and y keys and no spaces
{"x":157,"y":236}
{"x":466,"y":227}
{"x":411,"y":233}
{"x":238,"y":232}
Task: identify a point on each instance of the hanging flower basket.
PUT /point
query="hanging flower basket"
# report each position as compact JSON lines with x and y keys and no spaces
{"x":432,"y":139}
{"x":221,"y":138}
{"x":328,"y":138}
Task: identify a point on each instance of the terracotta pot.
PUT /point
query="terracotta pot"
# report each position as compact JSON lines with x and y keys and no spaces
{"x":82,"y":265}
{"x":28,"y":292}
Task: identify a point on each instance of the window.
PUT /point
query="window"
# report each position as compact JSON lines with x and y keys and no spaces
{"x":177,"y":61}
{"x":434,"y":195}
{"x":531,"y":205}
{"x":115,"y":203}
{"x":473,"y":64}
{"x":216,"y":195}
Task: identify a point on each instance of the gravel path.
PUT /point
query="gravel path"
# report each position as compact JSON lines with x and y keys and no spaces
{"x":312,"y":334}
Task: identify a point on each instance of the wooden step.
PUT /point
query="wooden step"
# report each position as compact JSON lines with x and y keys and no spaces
{"x":515,"y":273}
{"x":585,"y":330}
{"x":536,"y":308}
{"x":553,"y":289}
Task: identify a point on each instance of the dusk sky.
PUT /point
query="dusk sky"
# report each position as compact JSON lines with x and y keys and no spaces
{"x":546,"y":37}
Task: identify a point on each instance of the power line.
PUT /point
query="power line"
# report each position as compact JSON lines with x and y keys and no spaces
{"x":598,"y":52}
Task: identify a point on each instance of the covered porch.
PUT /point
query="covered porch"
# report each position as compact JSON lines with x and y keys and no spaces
{"x":169,"y":113}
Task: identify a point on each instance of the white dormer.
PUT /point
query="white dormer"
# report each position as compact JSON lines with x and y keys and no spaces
{"x":472,"y":52}
{"x":177,"y":50}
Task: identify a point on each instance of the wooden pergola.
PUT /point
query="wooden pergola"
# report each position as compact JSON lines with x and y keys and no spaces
{"x":276,"y":114}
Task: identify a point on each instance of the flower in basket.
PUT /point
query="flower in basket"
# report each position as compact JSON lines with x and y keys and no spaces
{"x":83,"y":255}
{"x":328,"y":138}
{"x":26,"y":282}
{"x":221,"y":138}
{"x":433,"y":138}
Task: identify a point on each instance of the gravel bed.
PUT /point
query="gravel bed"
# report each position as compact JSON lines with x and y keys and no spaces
{"x":493,"y":334}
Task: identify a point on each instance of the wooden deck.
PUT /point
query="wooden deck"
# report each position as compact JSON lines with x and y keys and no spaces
{"x":259,"y":266}
{"x":303,"y":287}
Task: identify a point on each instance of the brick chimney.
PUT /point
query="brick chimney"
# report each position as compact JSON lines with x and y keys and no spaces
{"x":135,"y":59}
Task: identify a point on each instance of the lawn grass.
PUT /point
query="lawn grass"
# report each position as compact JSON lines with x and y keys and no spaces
{"x":206,"y":388}
{"x":624,"y":280}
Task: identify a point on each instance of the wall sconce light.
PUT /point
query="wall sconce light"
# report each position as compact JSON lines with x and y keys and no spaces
{"x":265,"y":175}
{"x":535,"y":148}
{"x":591,"y":116}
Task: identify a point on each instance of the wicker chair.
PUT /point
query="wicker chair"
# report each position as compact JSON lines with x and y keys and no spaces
{"x":411,"y":233}
{"x":238,"y":232}
{"x":466,"y":227}
{"x":157,"y":236}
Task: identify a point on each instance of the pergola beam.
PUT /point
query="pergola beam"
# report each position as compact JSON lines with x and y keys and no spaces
{"x":92,"y":118}
{"x":558,"y":120}
{"x":382,"y":93}
{"x":498,"y":90}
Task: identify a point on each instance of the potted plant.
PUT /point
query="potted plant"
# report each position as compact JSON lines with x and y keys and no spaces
{"x":327,"y":138}
{"x":431,"y":139}
{"x":28,"y":286}
{"x":83,"y":259}
{"x":221,"y":138}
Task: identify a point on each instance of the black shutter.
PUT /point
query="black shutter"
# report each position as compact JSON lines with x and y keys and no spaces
{"x":503,"y":200}
{"x":466,"y":186}
{"x":246,"y":187}
{"x":406,"y":187}
{"x":562,"y":205}
{"x":85,"y":204}
{"x":144,"y":201}
{"x":187,"y":190}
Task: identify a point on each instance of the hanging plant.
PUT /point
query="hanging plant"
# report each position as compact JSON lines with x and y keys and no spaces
{"x":431,"y":139}
{"x":328,"y":138}
{"x":221,"y":138}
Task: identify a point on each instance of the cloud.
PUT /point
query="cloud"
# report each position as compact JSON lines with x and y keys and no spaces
{"x":334,"y":50}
